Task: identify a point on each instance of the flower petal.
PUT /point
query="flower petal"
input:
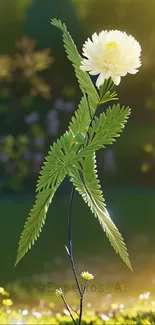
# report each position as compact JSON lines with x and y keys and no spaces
{"x":100,"y":80}
{"x":116,"y":79}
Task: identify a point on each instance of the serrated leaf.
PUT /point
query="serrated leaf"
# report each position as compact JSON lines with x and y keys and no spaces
{"x":79,"y":138}
{"x":56,"y":166}
{"x":106,"y":93}
{"x":105,"y":129}
{"x":109,"y":97}
{"x":73,"y":55}
{"x":89,"y":188}
{"x":80,"y":121}
{"x":35,"y":222}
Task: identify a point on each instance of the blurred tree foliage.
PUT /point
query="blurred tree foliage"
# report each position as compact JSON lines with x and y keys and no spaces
{"x":18,"y":103}
{"x":21,"y":144}
{"x":12,"y":15}
{"x":37,"y":26}
{"x":22,"y":69}
{"x":148,"y":149}
{"x":29,"y":113}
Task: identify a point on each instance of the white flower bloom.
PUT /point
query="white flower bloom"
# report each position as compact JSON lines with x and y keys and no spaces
{"x":111,"y":54}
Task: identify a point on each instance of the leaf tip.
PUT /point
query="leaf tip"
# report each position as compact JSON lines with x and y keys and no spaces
{"x":128,"y":263}
{"x":17,"y":260}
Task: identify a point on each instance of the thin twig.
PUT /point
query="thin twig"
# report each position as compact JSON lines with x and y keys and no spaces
{"x":73,"y":309}
{"x":67,"y":306}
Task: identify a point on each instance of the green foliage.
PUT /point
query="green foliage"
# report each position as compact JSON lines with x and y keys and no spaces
{"x":22,"y":91}
{"x":87,"y":184}
{"x":35,"y":221}
{"x":84,"y":80}
{"x":105,"y":92}
{"x":57,"y":162}
{"x":79,"y":123}
{"x":79,"y":138}
{"x":74,"y":155}
{"x":105,"y":128}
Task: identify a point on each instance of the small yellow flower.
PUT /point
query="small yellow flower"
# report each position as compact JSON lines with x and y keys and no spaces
{"x":87,"y":276}
{"x":59,"y":292}
{"x":7,"y":302}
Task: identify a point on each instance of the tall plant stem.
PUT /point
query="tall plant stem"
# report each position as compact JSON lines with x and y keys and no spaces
{"x":81,"y":303}
{"x":70,"y":249}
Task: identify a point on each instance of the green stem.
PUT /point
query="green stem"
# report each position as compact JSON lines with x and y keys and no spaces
{"x":70,"y":249}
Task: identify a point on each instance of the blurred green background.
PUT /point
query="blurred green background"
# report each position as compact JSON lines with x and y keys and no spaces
{"x":38,"y":95}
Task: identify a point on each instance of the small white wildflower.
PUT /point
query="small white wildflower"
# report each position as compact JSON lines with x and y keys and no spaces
{"x":87,"y":276}
{"x":66,"y":312}
{"x":36,"y":314}
{"x":25,"y":312}
{"x":111,"y":54}
{"x":104,"y":317}
{"x":121,"y":306}
{"x":144,"y":296}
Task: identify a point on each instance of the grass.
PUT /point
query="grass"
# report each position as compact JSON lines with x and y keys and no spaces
{"x":140,"y":311}
{"x":46,"y":266}
{"x":131,"y":209}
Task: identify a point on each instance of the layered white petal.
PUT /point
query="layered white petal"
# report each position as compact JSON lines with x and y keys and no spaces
{"x":111,"y":54}
{"x":100,"y":80}
{"x":116,"y":79}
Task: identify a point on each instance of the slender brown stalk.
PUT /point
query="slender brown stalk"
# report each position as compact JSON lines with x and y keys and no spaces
{"x":68,"y":308}
{"x":81,"y":303}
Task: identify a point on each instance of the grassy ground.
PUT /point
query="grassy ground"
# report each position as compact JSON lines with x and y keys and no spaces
{"x":113,"y":294}
{"x":131,"y":209}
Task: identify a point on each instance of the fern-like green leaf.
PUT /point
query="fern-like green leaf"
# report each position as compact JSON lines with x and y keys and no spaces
{"x":57,"y":162}
{"x":88,"y":186}
{"x":73,"y":55}
{"x":105,"y":129}
{"x":80,"y":121}
{"x":61,"y":153}
{"x":53,"y":173}
{"x":106,"y":93}
{"x":35,"y":221}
